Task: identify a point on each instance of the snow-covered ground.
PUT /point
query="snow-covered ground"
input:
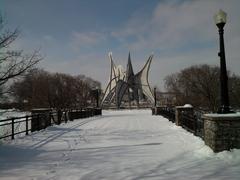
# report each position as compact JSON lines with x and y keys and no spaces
{"x":10,"y":113}
{"x":118,"y":145}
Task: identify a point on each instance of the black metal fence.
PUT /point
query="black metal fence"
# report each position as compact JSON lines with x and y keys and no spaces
{"x":190,"y":120}
{"x":35,"y":122}
{"x":165,"y":111}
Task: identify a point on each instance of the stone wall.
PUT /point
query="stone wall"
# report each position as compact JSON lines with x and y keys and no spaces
{"x":40,"y":119}
{"x":222,"y":132}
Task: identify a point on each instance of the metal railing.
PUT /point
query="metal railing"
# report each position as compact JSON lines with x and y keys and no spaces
{"x":165,"y":111}
{"x":169,"y":113}
{"x":190,"y":120}
{"x":11,"y":127}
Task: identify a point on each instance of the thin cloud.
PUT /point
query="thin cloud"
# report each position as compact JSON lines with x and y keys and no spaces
{"x":173,"y":25}
{"x":86,"y":39}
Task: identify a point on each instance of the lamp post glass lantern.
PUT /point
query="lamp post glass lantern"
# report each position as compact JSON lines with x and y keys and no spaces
{"x":220,"y":19}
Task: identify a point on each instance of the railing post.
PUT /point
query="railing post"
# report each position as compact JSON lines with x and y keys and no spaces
{"x":12,"y":128}
{"x":70,"y":115}
{"x":59,"y":114}
{"x":26,"y":125}
{"x":38,"y":123}
{"x":65,"y":116}
{"x":177,"y":116}
{"x":194,"y":124}
{"x":46,"y":120}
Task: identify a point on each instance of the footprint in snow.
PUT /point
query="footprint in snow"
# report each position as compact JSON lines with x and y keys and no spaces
{"x":64,"y":154}
{"x":67,"y":159}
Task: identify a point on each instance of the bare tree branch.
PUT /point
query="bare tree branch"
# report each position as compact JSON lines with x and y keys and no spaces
{"x":13,"y":63}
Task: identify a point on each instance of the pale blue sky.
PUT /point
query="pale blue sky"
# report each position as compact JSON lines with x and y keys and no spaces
{"x":75,"y":36}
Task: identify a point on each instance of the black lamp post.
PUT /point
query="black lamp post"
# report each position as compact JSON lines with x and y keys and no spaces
{"x":155,"y":96}
{"x":220,"y":20}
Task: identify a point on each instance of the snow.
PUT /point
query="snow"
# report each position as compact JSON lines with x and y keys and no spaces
{"x":9,"y":113}
{"x":237,"y":114}
{"x":128,"y":144}
{"x":19,"y":126}
{"x":188,"y":106}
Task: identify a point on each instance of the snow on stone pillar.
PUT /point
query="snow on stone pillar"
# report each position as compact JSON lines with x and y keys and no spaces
{"x":222,"y":131}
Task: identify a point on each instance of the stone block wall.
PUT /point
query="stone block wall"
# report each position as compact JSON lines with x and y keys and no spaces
{"x":222,"y":132}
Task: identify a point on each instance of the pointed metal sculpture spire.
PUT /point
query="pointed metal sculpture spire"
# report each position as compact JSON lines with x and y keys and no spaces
{"x":109,"y":91}
{"x":120,"y":84}
{"x":141,"y":78}
{"x":129,"y":72}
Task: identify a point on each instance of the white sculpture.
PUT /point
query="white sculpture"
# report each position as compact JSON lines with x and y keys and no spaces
{"x":121,"y":83}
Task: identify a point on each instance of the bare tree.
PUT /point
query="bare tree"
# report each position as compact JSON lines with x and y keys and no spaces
{"x":197,"y":85}
{"x":33,"y":89}
{"x":40,"y":88}
{"x":234,"y":89}
{"x":13,"y":63}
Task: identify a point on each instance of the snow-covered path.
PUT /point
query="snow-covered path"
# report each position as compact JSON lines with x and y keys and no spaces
{"x":118,"y":145}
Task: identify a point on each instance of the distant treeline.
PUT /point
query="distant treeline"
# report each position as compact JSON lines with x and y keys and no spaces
{"x":199,"y":85}
{"x":39,"y":88}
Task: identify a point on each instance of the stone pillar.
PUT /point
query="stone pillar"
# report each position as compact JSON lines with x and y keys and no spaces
{"x":153,"y":110}
{"x":157,"y":110}
{"x":40,"y":119}
{"x":222,"y":131}
{"x":97,"y":111}
{"x":177,"y":115}
{"x":59,"y":116}
{"x":179,"y":109}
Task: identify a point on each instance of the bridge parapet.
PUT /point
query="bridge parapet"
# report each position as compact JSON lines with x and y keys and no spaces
{"x":219,"y":131}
